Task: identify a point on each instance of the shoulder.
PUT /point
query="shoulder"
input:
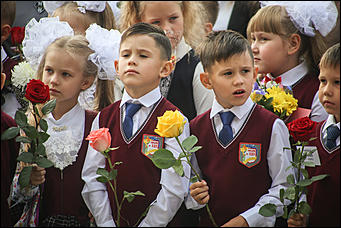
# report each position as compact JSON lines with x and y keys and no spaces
{"x":200,"y":118}
{"x":7,"y":121}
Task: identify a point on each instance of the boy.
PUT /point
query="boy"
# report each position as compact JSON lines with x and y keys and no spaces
{"x":243,"y":162}
{"x":144,"y":59}
{"x":324,"y":195}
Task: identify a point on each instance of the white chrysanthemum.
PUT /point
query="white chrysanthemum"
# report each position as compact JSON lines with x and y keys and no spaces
{"x":22,"y":74}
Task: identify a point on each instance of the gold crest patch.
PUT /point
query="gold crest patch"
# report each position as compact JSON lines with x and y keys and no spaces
{"x":150,"y":144}
{"x":249,"y":154}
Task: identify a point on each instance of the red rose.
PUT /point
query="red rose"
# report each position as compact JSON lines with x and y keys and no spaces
{"x":100,"y":139}
{"x":302,"y":128}
{"x":37,"y":91}
{"x":17,"y":35}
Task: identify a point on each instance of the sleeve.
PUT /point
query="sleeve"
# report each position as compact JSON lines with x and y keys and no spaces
{"x":203,"y":98}
{"x":95,"y":193}
{"x":318,"y":113}
{"x":173,"y":188}
{"x":278,"y":160}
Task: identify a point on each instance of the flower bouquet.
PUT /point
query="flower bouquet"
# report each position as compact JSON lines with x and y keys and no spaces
{"x":170,"y":125}
{"x":17,"y":36}
{"x":33,"y":135}
{"x":100,"y":140}
{"x":300,"y":131}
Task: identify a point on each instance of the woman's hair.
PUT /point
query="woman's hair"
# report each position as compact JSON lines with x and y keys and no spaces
{"x":8,"y":12}
{"x":104,"y":94}
{"x":331,"y":58}
{"x":193,"y":14}
{"x":274,"y":19}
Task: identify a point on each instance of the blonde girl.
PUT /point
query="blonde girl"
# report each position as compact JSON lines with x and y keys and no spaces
{"x":183,"y":23}
{"x":286,"y":46}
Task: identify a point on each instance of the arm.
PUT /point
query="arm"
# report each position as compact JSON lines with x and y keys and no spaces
{"x":278,"y":160}
{"x":203,"y":98}
{"x":95,"y":193}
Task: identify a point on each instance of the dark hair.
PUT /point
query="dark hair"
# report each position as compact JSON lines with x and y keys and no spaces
{"x":331,"y":58}
{"x":8,"y":11}
{"x":211,"y":9}
{"x":221,"y":45}
{"x":154,"y":32}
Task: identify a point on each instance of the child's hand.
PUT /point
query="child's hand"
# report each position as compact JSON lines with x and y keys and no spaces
{"x":199,"y":192}
{"x":37,"y":175}
{"x":297,"y":220}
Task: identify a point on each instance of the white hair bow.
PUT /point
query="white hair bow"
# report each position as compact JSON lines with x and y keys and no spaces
{"x":96,"y":6}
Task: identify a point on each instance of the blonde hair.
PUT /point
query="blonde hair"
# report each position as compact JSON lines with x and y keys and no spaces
{"x":193,"y":14}
{"x":331,"y":58}
{"x":274,"y":19}
{"x":104,"y":94}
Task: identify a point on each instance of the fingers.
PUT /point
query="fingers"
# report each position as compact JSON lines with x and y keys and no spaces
{"x":296,"y":220}
{"x":37,"y":175}
{"x":199,"y":192}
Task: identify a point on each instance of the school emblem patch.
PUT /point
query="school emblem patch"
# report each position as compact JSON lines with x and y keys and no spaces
{"x":249,"y":154}
{"x":150,"y":144}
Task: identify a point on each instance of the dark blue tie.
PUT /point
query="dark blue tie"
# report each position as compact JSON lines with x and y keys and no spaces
{"x":131,"y":109}
{"x":226,"y":135}
{"x":332,"y":133}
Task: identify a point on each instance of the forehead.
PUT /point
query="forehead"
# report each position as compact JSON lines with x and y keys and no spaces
{"x":160,"y":8}
{"x":139,"y":41}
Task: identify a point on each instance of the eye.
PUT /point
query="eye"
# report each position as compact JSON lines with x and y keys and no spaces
{"x":125,"y":55}
{"x":245,"y":71}
{"x":66,"y":74}
{"x":337,"y":82}
{"x":173,"y":18}
{"x":48,"y":70}
{"x":228,"y":73}
{"x":322,"y":81}
{"x":155,"y":22}
{"x":143,"y":56}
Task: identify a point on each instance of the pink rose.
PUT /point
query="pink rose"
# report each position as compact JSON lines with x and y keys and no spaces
{"x":100,"y":139}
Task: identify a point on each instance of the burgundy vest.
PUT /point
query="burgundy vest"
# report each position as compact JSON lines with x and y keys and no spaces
{"x":8,"y":65}
{"x":305,"y":90}
{"x":137,"y":172}
{"x":324,"y":195}
{"x":63,"y":196}
{"x":9,"y":154}
{"x":233,"y":187}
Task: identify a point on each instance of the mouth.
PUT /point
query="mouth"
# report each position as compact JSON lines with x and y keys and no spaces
{"x":131,"y":72}
{"x":239,"y":92}
{"x":328,"y":103}
{"x":256,"y":59}
{"x":54,"y":91}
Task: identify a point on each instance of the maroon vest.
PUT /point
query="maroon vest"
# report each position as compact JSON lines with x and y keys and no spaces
{"x":324,"y":195}
{"x":63,"y":196}
{"x":233,"y":186}
{"x":137,"y":172}
{"x":8,"y":65}
{"x":305,"y":90}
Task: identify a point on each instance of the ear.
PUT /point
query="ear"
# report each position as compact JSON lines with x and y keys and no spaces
{"x":208,"y":27}
{"x":166,"y":69}
{"x":294,"y":43}
{"x":205,"y":80}
{"x":5,"y":32}
{"x":116,"y":65}
{"x":87,"y":82}
{"x":255,"y":74}
{"x":3,"y":79}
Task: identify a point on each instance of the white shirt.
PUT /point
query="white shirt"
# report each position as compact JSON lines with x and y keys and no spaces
{"x":224,"y":15}
{"x":173,"y":187}
{"x":295,"y":74}
{"x":203,"y":98}
{"x":277,"y":158}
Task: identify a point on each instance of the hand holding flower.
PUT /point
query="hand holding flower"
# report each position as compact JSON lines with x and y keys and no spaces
{"x":199,"y":192}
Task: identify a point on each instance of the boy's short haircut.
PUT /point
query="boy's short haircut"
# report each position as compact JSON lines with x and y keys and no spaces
{"x":221,"y":45}
{"x":331,"y":58}
{"x":160,"y":38}
{"x":8,"y":10}
{"x":212,"y":9}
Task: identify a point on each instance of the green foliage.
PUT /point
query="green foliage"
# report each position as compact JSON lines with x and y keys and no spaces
{"x":163,"y":159}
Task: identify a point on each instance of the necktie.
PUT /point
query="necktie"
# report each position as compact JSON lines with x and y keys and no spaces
{"x":131,"y":109}
{"x":332,"y":133}
{"x":226,"y":135}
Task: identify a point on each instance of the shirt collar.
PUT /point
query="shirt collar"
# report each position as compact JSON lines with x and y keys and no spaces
{"x":238,"y":111}
{"x":3,"y":54}
{"x":147,"y":100}
{"x":295,"y":74}
{"x":69,"y":116}
{"x":330,"y":121}
{"x":182,"y":49}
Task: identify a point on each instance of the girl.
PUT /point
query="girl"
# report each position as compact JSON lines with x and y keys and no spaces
{"x":184,"y":26}
{"x":66,"y":68}
{"x":287,"y":47}
{"x":104,"y":91}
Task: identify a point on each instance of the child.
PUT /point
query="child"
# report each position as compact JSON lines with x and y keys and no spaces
{"x":288,"y":47}
{"x":324,"y":195}
{"x":106,"y":90}
{"x":145,"y":53}
{"x":183,"y":24}
{"x":66,"y":68}
{"x":211,"y":9}
{"x":242,"y":161}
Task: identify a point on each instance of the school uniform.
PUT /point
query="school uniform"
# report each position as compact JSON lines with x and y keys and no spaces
{"x":61,"y":203}
{"x":305,"y":89}
{"x":164,"y":189}
{"x":9,"y":154}
{"x":249,"y":171}
{"x":324,"y":195}
{"x":183,"y":87}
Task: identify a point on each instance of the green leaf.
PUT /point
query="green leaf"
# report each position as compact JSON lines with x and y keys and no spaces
{"x":319,"y":177}
{"x":41,"y":150}
{"x":289,"y":193}
{"x":23,"y":139}
{"x":102,"y":179}
{"x":182,"y":155}
{"x":194,"y":149}
{"x":112,"y":174}
{"x":20,"y":119}
{"x":304,"y":183}
{"x":43,"y":137}
{"x":267,"y":210}
{"x":281,"y":195}
{"x":189,"y":142}
{"x":103,"y":172}
{"x":309,"y":164}
{"x":10,"y":133}
{"x":131,"y":195}
{"x":163,"y":159}
{"x":194,"y":179}
{"x":30,"y":131}
{"x":178,"y":168}
{"x":44,"y":162}
{"x":291,"y":179}
{"x":43,"y":125}
{"x":25,"y":157}
{"x":48,"y":107}
{"x":285,"y":212}
{"x":304,"y":208}
{"x":305,"y":173}
{"x":24,"y":177}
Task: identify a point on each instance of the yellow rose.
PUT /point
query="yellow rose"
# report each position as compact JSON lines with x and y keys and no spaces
{"x":171,"y":124}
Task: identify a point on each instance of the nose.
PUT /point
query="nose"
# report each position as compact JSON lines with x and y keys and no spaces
{"x":238,"y":79}
{"x":54,"y":80}
{"x":327,"y":90}
{"x":254,"y":47}
{"x":132,"y":60}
